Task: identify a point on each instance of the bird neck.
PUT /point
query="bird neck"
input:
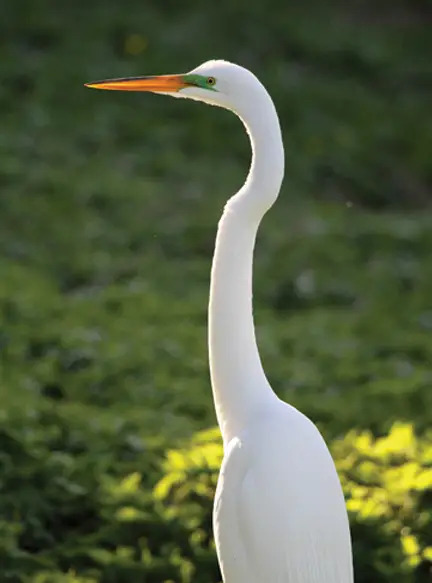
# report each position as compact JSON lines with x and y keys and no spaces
{"x":238,"y":380}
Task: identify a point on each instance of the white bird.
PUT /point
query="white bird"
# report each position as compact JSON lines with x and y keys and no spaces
{"x":279,"y":512}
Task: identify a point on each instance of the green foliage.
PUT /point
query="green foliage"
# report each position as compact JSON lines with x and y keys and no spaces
{"x":387,"y":482}
{"x":108,"y":210}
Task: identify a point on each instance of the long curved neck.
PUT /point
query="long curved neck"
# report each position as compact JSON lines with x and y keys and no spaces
{"x":238,"y":381}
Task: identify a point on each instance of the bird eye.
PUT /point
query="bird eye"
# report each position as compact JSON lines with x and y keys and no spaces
{"x":211,"y":81}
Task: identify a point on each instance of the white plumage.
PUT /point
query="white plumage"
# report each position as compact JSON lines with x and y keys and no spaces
{"x":279,"y":512}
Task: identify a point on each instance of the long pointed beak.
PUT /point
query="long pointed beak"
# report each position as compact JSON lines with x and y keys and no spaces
{"x":163,"y":83}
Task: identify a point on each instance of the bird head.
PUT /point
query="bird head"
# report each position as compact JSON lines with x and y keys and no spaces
{"x":215,"y":82}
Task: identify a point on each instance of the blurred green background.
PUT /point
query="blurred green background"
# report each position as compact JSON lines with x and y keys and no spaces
{"x":108,"y":209}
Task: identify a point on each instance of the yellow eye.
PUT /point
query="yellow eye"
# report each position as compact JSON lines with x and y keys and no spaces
{"x":211,"y":81}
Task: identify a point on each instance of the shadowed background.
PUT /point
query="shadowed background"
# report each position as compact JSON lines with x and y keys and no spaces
{"x":108,"y":210}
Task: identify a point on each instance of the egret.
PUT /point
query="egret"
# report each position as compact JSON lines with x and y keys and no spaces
{"x":279,"y":512}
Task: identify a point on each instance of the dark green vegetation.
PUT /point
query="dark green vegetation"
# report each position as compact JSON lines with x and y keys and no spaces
{"x":108,"y":209}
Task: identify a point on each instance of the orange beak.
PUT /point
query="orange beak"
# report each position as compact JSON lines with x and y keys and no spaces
{"x":164,"y":83}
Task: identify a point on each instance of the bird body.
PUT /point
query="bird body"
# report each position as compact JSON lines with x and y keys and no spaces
{"x":279,"y":513}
